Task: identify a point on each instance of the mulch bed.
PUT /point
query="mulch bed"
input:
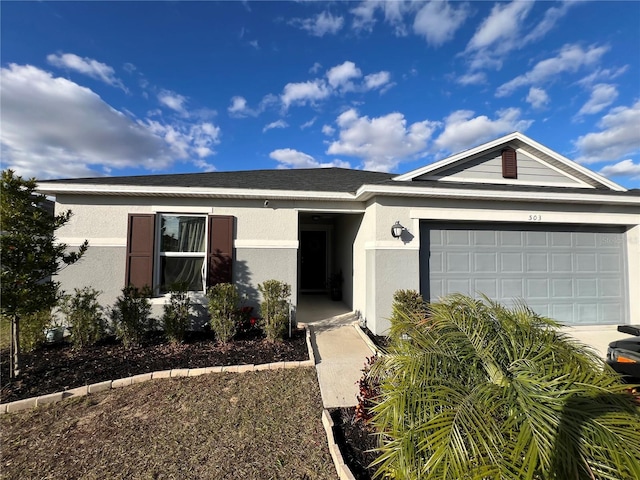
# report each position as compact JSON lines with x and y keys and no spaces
{"x":54,"y":368}
{"x":356,"y":441}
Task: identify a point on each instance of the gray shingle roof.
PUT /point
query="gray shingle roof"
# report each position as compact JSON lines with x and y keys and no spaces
{"x":311,"y":179}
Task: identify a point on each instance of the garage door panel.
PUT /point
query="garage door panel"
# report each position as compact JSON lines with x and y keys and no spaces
{"x":610,"y":263}
{"x":537,"y":288}
{"x":561,"y":239}
{"x":561,"y":262}
{"x":575,"y":276}
{"x":610,"y":288}
{"x":586,"y":262}
{"x":511,"y":262}
{"x":587,"y":288}
{"x":486,"y":262}
{"x":537,"y":262}
{"x":536,"y":239}
{"x":488,"y":286}
{"x":458,"y":262}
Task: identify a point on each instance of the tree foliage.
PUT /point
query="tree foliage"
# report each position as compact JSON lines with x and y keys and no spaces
{"x":474,"y":390}
{"x":29,"y":253}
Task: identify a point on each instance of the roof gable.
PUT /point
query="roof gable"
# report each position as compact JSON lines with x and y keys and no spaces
{"x":537,"y":166}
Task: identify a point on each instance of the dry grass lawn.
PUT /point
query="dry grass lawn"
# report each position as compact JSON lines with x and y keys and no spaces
{"x":259,"y":425}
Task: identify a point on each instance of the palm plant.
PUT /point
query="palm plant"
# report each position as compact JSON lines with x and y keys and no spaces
{"x":474,"y":390}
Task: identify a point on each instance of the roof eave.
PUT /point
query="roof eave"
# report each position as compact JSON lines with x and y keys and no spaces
{"x":367,"y":192}
{"x":187,"y":192}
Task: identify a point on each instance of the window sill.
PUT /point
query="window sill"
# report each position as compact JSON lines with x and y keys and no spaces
{"x":197,"y":298}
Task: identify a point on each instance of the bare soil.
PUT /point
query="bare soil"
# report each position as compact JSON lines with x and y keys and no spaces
{"x":58,"y":367}
{"x":250,"y":426}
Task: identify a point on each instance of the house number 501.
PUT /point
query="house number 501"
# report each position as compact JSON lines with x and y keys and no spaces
{"x":535,"y":218}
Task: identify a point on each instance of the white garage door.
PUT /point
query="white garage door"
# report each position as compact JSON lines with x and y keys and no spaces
{"x":574,"y":275}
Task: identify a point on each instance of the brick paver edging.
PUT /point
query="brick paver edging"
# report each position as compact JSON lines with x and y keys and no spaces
{"x":344,"y":473}
{"x":34,"y":402}
{"x":372,"y":346}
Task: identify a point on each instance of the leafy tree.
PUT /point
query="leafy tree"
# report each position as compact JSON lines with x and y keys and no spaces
{"x":29,"y":255}
{"x":475,"y":390}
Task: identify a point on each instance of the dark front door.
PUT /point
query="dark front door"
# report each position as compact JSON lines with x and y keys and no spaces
{"x":313,"y":251}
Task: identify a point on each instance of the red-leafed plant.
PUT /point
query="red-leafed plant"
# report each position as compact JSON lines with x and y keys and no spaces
{"x":369,"y":390}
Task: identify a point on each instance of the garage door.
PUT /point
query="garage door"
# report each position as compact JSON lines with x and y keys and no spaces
{"x":576,"y":275}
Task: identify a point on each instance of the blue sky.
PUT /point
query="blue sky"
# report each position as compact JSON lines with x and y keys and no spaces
{"x":128,"y":88}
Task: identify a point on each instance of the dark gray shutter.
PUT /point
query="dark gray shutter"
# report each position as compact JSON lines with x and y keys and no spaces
{"x":140,"y":240}
{"x":220,"y":250}
{"x":509,"y":163}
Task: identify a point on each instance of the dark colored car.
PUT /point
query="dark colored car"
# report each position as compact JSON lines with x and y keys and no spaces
{"x":624,"y":355}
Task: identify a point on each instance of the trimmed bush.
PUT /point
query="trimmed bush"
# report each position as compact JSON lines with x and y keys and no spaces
{"x":176,"y":315}
{"x":131,"y":315}
{"x":274,"y":308}
{"x":223,"y":308}
{"x":32,"y":330}
{"x":406,"y":304}
{"x":84,"y":314}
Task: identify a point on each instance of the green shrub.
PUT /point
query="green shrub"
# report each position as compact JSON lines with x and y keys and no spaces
{"x":84,"y":314}
{"x":484,"y":391}
{"x":32,"y":330}
{"x":274,"y":308}
{"x":176,"y":314}
{"x":131,"y":315}
{"x":406,"y":303}
{"x":223,"y":307}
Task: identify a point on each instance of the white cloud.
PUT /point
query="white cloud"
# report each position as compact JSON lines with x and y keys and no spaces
{"x":601,"y":97}
{"x":602,"y":75}
{"x":381,"y":142}
{"x":625,"y":168}
{"x":619,"y":136}
{"x":172,"y":100}
{"x":550,"y":19}
{"x":503,"y":23}
{"x":376,"y":80}
{"x":87,"y":66}
{"x":328,"y":130}
{"x":477,"y":78}
{"x":317,"y":66}
{"x":462,"y":130}
{"x":504,"y":30}
{"x":438,"y":21}
{"x":239,"y":108}
{"x":340,"y":76}
{"x":571,"y":58}
{"x":276,"y":124}
{"x":320,"y":25}
{"x":53,"y":127}
{"x":364,"y":15}
{"x":255,"y":44}
{"x":537,"y":97}
{"x":290,"y":158}
{"x":308,"y":124}
{"x":305,"y":92}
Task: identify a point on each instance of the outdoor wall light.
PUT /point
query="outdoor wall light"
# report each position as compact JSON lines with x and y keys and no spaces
{"x":396,"y":230}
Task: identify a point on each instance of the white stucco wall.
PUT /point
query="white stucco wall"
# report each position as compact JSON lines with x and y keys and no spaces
{"x":265,"y":241}
{"x":410,"y":211}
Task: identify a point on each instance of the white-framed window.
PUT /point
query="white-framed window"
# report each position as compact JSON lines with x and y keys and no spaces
{"x":181,"y":251}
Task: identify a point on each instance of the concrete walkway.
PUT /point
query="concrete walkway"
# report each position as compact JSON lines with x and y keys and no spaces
{"x":339,"y":350}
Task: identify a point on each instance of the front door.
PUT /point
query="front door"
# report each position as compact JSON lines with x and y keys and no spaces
{"x":313,"y":261}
